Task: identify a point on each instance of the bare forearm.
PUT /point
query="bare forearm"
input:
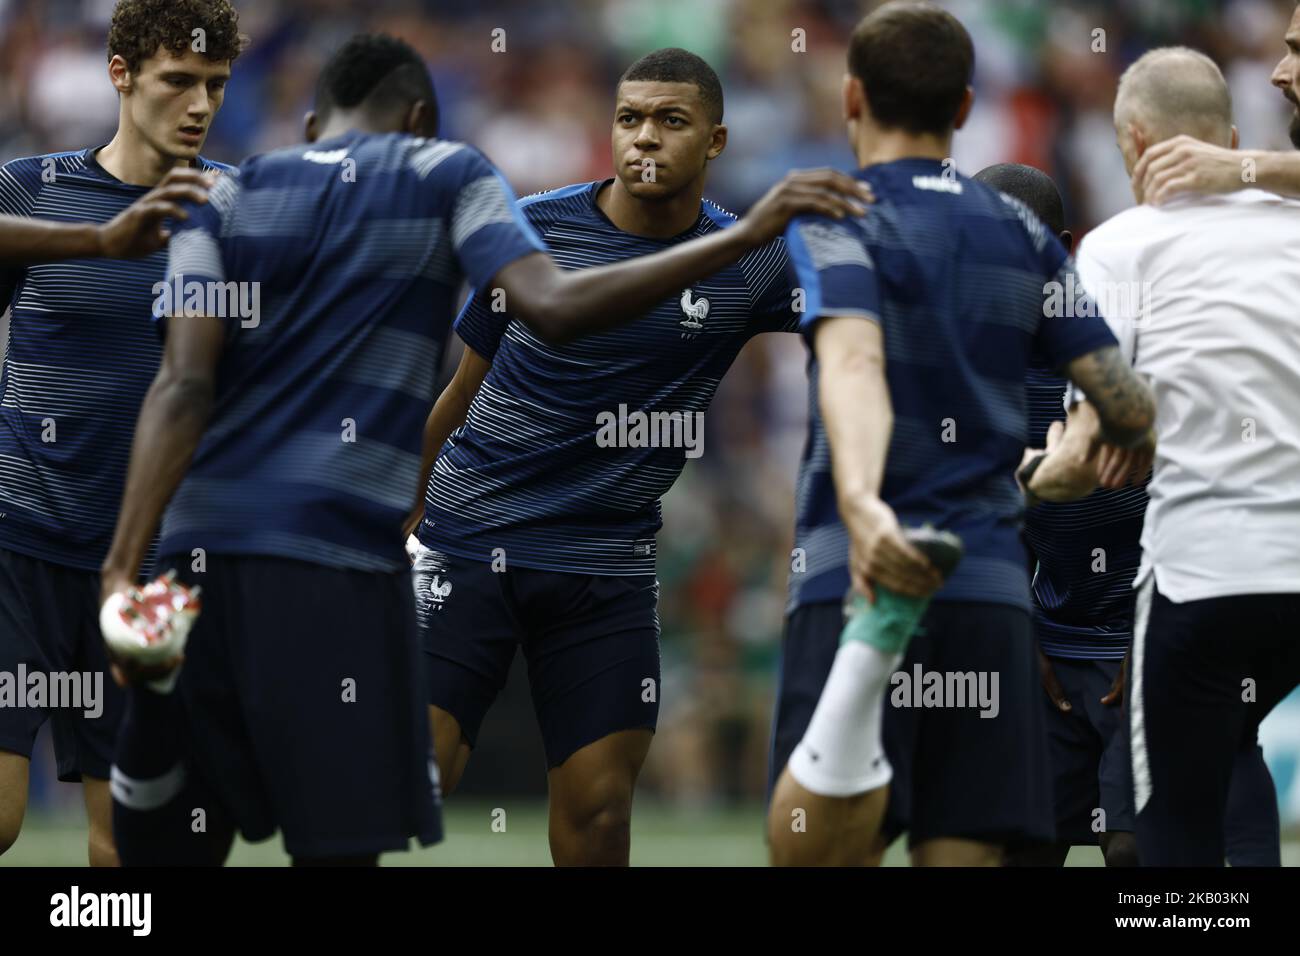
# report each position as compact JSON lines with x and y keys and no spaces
{"x":859,"y":419}
{"x":1122,"y":401}
{"x":562,"y":306}
{"x":448,"y":414}
{"x":172,"y":420}
{"x":26,"y":241}
{"x":1277,"y":172}
{"x":1069,"y":471}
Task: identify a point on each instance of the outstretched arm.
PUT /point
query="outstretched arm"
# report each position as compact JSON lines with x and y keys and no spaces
{"x":136,"y":231}
{"x":1187,"y":165}
{"x":561,"y":306}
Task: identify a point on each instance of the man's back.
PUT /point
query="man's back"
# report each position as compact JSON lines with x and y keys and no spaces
{"x":352,"y":251}
{"x":1205,"y":295}
{"x":955,"y":273}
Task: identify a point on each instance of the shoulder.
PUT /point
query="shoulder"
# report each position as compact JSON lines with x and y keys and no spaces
{"x":552,"y":205}
{"x":31,"y":171}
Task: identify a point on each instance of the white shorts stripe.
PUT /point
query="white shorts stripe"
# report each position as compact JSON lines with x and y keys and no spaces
{"x":146,"y":794}
{"x":1137,"y":717}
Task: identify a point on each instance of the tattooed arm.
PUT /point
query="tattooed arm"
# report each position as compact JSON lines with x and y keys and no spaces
{"x":1124,"y":404}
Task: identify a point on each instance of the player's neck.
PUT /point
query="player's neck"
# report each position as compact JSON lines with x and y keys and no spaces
{"x":876,"y":145}
{"x":130,"y":159}
{"x":653,"y":220}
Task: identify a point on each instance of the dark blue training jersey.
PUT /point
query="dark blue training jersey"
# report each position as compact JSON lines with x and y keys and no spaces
{"x":357,"y":246}
{"x":567,"y":449}
{"x":1088,"y":551}
{"x":82,"y":352}
{"x":954,"y":272}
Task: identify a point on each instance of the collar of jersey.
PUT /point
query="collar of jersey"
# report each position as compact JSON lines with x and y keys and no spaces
{"x":599,"y":213}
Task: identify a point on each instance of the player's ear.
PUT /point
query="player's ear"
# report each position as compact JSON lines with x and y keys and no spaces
{"x":311,"y":126}
{"x":1236,"y":138}
{"x":119,"y":74}
{"x":852,"y":97}
{"x":1067,"y":239}
{"x":421,"y":119}
{"x":718,"y":143}
{"x":963,"y":111}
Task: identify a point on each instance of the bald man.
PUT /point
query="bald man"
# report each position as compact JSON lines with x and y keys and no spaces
{"x":1188,"y":164}
{"x":1201,"y":294}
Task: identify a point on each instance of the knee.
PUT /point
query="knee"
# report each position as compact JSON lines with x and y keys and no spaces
{"x":602,"y":817}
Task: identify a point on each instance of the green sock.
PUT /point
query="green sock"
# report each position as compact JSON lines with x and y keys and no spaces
{"x":888,"y":624}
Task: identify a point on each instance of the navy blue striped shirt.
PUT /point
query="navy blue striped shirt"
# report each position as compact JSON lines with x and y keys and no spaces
{"x":358,"y":246}
{"x":1088,"y":551}
{"x":82,"y":352}
{"x":955,"y":274}
{"x":567,"y":449}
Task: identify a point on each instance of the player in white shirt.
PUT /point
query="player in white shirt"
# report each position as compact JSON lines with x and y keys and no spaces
{"x":1202,"y":293}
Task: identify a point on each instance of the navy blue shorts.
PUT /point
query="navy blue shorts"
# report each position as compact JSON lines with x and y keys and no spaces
{"x":591,"y":643}
{"x":49,"y":624}
{"x":1088,"y":754}
{"x":304,"y":705}
{"x":956,"y":774}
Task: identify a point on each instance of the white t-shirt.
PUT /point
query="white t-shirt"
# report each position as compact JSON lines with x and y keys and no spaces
{"x":1204,"y":297}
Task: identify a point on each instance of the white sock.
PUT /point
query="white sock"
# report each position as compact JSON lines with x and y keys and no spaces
{"x":841,"y":753}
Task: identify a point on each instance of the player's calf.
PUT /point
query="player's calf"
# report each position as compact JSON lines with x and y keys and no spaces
{"x":810,"y":829}
{"x":13,"y":797}
{"x":100,"y":848}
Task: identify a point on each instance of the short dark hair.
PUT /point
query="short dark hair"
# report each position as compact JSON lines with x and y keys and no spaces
{"x":675,"y":65}
{"x":1031,"y":186}
{"x":140,"y":27}
{"x":380,"y":71}
{"x":914,"y":61}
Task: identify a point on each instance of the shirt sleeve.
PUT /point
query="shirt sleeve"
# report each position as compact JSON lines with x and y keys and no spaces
{"x":1071,"y":325}
{"x":194,"y":255}
{"x":776,"y":302}
{"x":20,"y":184}
{"x":488,"y":232}
{"x":480,"y":325}
{"x":834,"y":272}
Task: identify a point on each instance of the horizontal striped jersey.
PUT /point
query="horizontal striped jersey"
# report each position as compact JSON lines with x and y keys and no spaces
{"x":81,"y":354}
{"x":351,"y":253}
{"x":567,"y":449}
{"x":956,"y":274}
{"x":1088,"y":551}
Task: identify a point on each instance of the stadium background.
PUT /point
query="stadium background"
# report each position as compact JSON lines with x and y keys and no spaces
{"x":542,"y":111}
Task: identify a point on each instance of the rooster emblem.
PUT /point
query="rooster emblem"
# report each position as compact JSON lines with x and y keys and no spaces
{"x":696,"y":312}
{"x":439,"y":588}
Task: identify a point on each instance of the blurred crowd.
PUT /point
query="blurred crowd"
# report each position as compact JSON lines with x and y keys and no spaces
{"x":531,"y":82}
